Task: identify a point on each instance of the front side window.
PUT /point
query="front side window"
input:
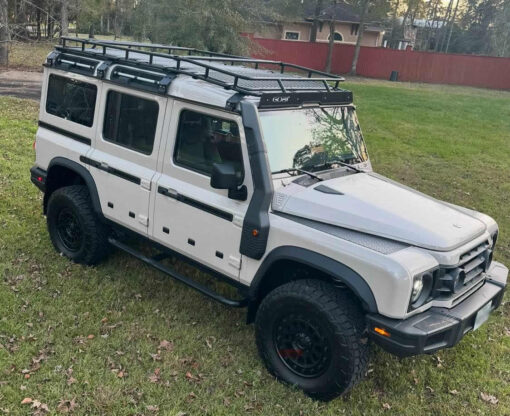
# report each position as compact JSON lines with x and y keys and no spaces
{"x":312,"y":138}
{"x":71,"y":100}
{"x":130,"y":121}
{"x":203,"y":140}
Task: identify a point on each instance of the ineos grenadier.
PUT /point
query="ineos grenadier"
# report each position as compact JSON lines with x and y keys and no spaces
{"x":259,"y":176}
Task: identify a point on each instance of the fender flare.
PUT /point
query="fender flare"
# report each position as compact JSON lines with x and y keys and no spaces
{"x":338,"y":271}
{"x":83,"y":173}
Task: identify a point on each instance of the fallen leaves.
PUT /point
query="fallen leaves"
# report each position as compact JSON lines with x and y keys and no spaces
{"x":489,"y":398}
{"x":166,"y":345}
{"x":67,"y":406}
{"x":39,"y":407}
{"x":155,"y":377}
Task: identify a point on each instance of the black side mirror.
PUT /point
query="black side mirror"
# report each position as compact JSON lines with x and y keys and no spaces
{"x":224,"y":176}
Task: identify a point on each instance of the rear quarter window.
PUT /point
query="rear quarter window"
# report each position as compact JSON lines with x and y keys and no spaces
{"x":130,"y":121}
{"x":71,"y":100}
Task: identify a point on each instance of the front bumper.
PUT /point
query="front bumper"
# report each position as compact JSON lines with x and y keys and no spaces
{"x":438,"y":328}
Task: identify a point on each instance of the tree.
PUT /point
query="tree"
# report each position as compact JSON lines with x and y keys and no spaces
{"x":331,"y":44}
{"x":202,"y":24}
{"x":64,"y":18}
{"x":361,"y":31}
{"x":316,"y":22}
{"x":4,"y":33}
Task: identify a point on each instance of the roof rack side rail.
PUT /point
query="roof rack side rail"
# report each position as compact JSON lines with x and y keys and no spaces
{"x":153,"y":46}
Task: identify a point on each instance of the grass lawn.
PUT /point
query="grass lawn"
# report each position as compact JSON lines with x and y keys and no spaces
{"x":121,"y":339}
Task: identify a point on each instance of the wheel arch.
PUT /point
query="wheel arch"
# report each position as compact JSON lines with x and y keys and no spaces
{"x":301,"y":259}
{"x":65,"y":172}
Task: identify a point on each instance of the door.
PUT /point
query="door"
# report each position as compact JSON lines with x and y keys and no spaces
{"x":124,"y":159}
{"x":190,"y":216}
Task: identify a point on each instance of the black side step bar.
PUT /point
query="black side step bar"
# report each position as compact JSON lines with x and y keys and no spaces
{"x":177,"y":276}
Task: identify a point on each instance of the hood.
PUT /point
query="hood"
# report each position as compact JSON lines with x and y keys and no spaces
{"x":376,"y":205}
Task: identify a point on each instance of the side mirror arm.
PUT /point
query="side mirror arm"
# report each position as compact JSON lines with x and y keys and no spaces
{"x":239,"y":194}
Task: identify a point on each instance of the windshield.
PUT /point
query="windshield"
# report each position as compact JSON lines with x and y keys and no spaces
{"x":311,"y":138}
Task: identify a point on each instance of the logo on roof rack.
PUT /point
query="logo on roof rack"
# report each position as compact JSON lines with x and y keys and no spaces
{"x":296,"y":99}
{"x":281,"y":100}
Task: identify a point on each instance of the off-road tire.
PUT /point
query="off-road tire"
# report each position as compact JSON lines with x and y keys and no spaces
{"x":74,"y":202}
{"x":342,"y":323}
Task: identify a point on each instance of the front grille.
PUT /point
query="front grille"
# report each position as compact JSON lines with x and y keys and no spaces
{"x":455,"y":280}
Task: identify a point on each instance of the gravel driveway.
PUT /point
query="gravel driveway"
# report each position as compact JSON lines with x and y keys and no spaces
{"x":21,"y":84}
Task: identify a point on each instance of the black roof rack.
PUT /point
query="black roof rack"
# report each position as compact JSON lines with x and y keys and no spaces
{"x":219,"y":69}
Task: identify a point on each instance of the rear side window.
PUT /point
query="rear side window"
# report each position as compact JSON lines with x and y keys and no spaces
{"x":203,"y":140}
{"x":130,"y":121}
{"x":71,"y":100}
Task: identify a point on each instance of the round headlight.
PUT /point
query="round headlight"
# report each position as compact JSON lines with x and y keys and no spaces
{"x":417,"y":288}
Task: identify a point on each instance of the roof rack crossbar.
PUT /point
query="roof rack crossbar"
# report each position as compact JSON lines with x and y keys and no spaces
{"x":322,"y":78}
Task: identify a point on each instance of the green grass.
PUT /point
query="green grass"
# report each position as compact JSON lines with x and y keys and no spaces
{"x":452,"y":143}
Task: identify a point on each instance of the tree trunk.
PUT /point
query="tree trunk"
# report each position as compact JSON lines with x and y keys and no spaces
{"x":357,"y":49}
{"x":315,"y":26}
{"x":4,"y":34}
{"x":444,"y":28}
{"x":38,"y":18}
{"x":451,"y":27}
{"x":393,"y":36}
{"x":331,"y":45}
{"x":64,"y":19}
{"x":431,"y":26}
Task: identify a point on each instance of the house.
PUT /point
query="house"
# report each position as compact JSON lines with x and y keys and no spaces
{"x":417,"y":34}
{"x":346,"y":20}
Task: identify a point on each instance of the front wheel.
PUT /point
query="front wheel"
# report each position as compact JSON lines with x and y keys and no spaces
{"x":74,"y":228}
{"x":312,"y":335}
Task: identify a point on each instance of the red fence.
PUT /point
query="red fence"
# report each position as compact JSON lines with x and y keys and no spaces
{"x":439,"y":68}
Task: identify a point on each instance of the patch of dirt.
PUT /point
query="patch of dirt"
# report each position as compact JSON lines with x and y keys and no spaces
{"x":21,"y":84}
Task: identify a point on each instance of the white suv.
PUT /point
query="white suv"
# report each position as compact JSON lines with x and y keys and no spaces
{"x":261,"y":178}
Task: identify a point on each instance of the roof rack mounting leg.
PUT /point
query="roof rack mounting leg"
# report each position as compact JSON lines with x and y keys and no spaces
{"x":177,"y":276}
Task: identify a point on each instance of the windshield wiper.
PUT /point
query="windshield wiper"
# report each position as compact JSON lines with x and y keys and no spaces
{"x":312,"y":175}
{"x":341,"y":163}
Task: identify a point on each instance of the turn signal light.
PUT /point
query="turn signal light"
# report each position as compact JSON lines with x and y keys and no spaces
{"x":382,"y":331}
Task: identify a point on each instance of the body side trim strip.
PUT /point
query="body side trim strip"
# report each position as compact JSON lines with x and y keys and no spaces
{"x":196,"y":204}
{"x":74,"y":136}
{"x":109,"y":169}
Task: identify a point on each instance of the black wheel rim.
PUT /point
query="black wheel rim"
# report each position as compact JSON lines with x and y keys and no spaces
{"x":302,"y":345}
{"x":69,"y":230}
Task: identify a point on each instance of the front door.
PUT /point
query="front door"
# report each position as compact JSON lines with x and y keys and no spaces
{"x":190,"y":216}
{"x":124,"y":159}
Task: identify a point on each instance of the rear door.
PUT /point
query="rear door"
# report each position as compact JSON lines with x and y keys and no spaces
{"x":124,"y":159}
{"x":190,"y":216}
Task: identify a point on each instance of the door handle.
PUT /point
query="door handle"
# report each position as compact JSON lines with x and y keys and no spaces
{"x":104,"y":165}
{"x":171,"y":193}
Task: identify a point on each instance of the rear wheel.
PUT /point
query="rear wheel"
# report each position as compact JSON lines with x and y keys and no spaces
{"x":312,"y":335}
{"x":74,"y":228}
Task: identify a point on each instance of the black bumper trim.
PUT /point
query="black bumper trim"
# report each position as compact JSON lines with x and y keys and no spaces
{"x":38,"y":177}
{"x":435,"y":328}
